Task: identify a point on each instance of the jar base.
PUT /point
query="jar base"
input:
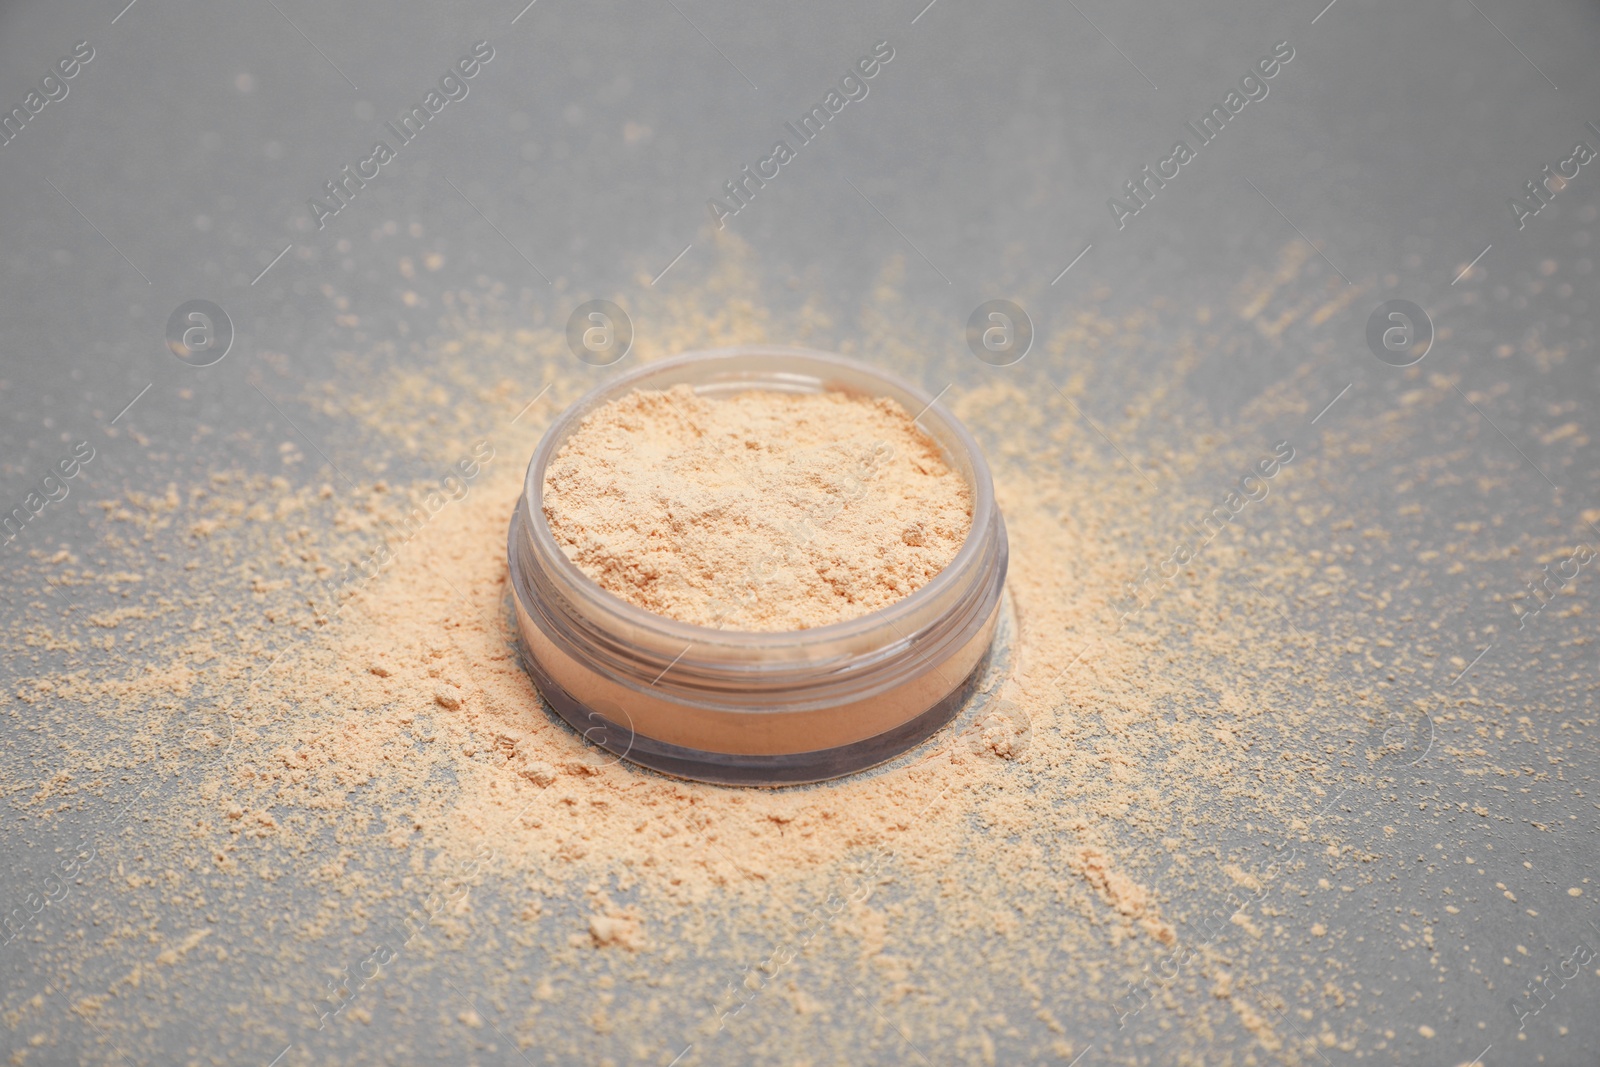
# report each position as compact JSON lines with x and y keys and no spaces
{"x":786,"y":769}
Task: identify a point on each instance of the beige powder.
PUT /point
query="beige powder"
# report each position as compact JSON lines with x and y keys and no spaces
{"x":759,"y":511}
{"x":294,"y":784}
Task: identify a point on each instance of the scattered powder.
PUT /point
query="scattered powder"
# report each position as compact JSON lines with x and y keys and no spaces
{"x":757,"y":511}
{"x":354,"y":787}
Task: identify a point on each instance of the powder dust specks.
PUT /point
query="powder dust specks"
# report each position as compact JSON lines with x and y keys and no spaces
{"x":313,"y":736}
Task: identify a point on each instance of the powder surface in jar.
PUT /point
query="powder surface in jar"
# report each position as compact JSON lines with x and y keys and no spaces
{"x":758,"y":511}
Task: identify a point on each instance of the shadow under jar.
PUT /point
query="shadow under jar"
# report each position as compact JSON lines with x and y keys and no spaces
{"x":757,"y":708}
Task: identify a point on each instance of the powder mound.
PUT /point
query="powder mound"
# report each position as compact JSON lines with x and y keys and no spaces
{"x":759,"y":511}
{"x":621,"y":930}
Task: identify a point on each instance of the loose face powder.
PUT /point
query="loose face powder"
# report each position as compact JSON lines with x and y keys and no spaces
{"x":760,"y":510}
{"x":754,"y":566}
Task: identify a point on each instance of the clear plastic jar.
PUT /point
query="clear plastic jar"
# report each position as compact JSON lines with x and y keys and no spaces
{"x":747,"y":708}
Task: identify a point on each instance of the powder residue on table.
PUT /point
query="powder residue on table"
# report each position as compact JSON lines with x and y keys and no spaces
{"x":352,"y":783}
{"x":756,"y":511}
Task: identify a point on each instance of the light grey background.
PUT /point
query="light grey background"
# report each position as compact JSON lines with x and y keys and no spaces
{"x":184,"y":153}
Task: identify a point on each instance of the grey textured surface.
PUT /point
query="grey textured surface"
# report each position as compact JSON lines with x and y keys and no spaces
{"x":179,"y":164}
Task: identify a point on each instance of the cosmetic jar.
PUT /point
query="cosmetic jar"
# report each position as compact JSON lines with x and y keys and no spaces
{"x":749,"y":708}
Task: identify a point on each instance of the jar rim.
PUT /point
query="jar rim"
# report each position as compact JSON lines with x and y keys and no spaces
{"x":908,"y":607}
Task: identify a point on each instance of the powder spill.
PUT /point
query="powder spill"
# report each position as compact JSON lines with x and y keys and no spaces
{"x":758,"y":511}
{"x":402,"y":856}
